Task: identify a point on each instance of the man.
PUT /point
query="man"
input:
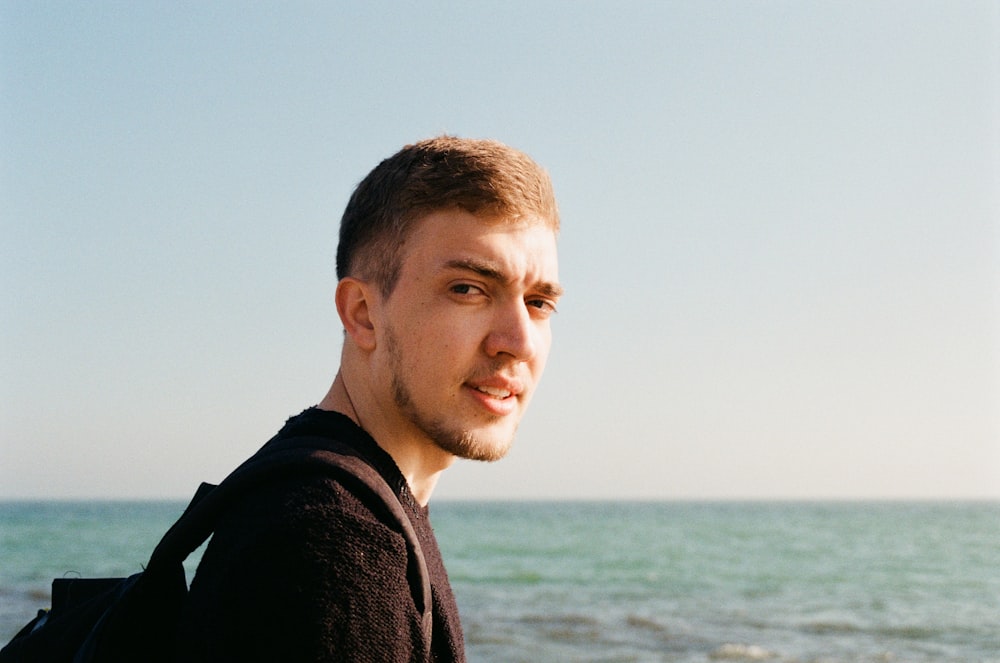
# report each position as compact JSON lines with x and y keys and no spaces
{"x":447,"y":279}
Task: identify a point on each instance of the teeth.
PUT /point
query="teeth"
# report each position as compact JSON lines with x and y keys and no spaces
{"x":496,"y":393}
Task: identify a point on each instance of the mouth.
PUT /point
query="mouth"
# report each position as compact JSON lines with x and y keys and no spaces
{"x":498,"y":395}
{"x":495,"y":392}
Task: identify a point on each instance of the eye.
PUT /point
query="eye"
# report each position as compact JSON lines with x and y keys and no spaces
{"x":466,"y":289}
{"x":544,"y":306}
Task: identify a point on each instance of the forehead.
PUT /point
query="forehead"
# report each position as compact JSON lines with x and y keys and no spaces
{"x":522,"y":250}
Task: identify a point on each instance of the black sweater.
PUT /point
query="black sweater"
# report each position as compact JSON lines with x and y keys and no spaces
{"x":307,"y":569}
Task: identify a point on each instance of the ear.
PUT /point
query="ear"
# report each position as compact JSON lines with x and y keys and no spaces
{"x":355,"y":302}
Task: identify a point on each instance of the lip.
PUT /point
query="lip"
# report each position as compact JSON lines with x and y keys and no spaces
{"x":496,"y":404}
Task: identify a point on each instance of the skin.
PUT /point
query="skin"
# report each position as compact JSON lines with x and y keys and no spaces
{"x":445,"y":365}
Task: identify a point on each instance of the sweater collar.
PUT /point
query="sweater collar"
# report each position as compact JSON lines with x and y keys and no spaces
{"x":340,"y":427}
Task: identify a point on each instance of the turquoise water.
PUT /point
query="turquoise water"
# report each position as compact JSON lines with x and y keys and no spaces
{"x":671,"y":581}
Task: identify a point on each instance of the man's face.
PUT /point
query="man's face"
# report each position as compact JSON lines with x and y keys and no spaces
{"x":465,"y":334}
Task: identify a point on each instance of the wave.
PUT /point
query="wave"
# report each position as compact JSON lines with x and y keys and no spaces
{"x":901,"y":631}
{"x":741,"y":652}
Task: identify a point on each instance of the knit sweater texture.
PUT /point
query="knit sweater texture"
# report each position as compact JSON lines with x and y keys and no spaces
{"x":310,"y":569}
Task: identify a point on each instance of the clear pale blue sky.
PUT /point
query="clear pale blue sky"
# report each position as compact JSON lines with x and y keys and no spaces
{"x":781,"y":242}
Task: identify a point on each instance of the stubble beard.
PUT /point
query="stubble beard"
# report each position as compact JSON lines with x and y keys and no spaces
{"x":458,"y":442}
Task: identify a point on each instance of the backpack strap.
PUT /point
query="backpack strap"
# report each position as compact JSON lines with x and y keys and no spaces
{"x":198,"y":521}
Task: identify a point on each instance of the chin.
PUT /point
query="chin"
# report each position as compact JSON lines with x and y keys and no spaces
{"x":474,"y":445}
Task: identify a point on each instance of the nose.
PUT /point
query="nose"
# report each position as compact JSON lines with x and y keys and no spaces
{"x":513,"y":333}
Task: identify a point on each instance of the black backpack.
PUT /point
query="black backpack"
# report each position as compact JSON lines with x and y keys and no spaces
{"x":111,"y":620}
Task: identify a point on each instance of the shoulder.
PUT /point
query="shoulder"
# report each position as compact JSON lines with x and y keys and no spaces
{"x":302,"y":556}
{"x":309,"y":519}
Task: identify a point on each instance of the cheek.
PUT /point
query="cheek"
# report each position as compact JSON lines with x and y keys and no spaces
{"x":543,"y":345}
{"x":456,"y":335}
{"x":538,"y":365}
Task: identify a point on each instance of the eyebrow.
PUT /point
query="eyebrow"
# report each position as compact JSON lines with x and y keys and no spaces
{"x":490,"y":270}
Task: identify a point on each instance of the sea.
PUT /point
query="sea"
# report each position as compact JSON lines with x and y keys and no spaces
{"x":683,"y":581}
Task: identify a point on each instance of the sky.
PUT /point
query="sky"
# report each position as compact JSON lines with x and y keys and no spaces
{"x":780,"y":235}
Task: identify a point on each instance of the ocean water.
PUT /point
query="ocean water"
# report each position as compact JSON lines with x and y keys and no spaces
{"x":620,"y":581}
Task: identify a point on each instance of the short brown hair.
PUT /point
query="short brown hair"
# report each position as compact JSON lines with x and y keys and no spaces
{"x":483,"y":177}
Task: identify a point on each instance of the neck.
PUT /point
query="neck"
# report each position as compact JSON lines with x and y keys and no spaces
{"x":420,"y":461}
